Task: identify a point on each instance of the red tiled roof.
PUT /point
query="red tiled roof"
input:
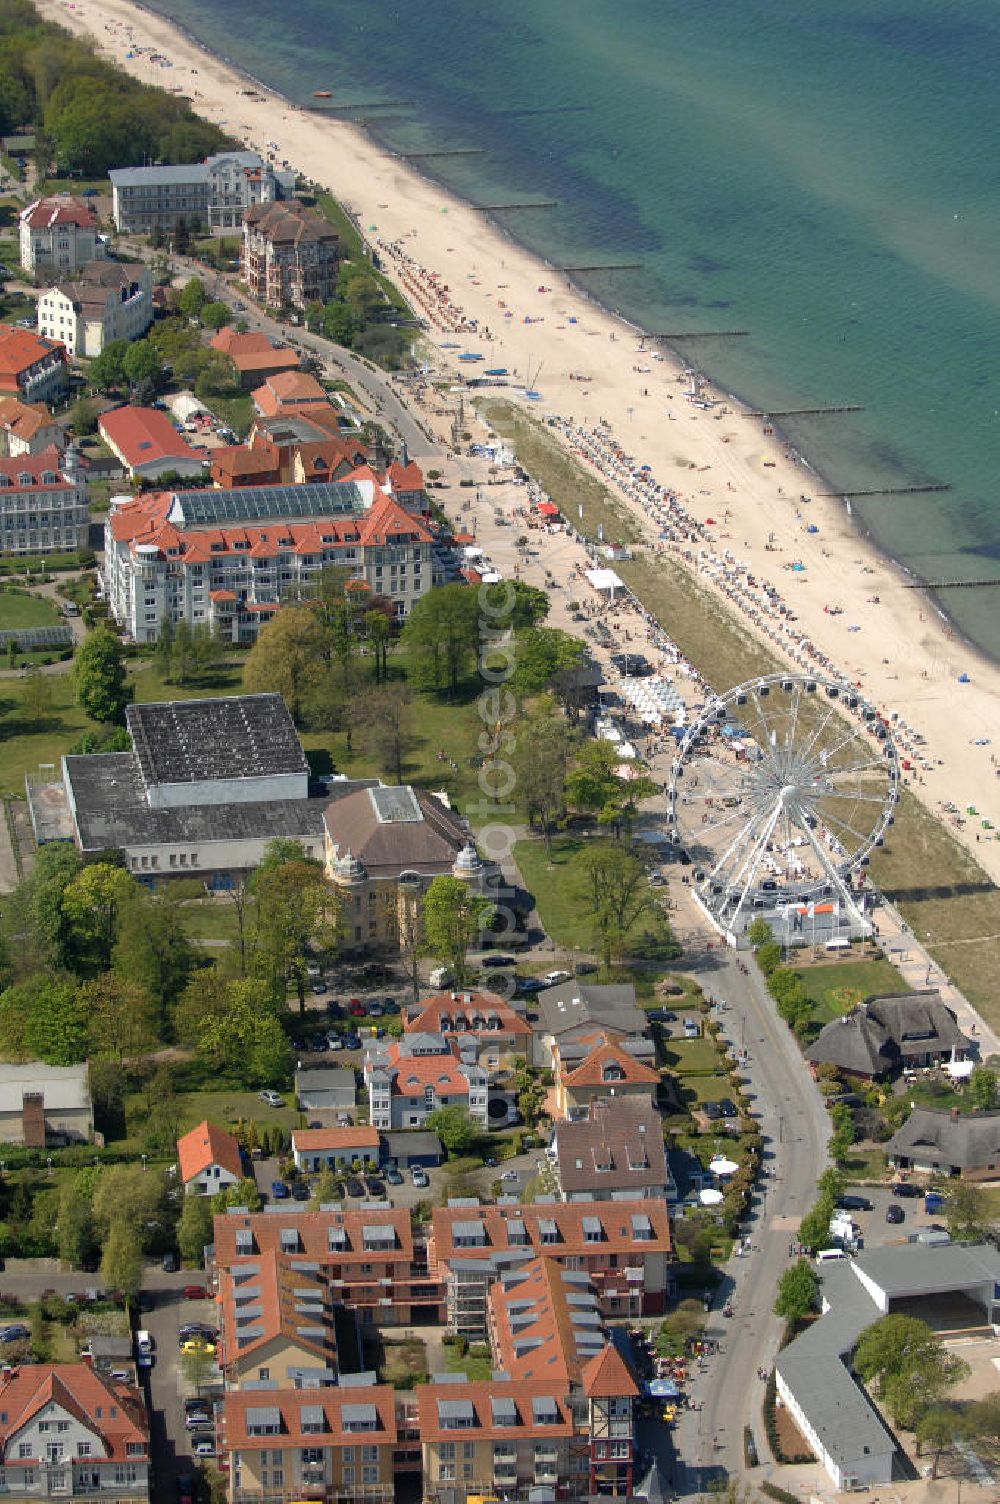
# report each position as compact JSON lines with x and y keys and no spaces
{"x":236,"y":461}
{"x":222,"y":595}
{"x":590,"y":1072}
{"x":414,"y":1072}
{"x":275,"y":1281}
{"x":484,"y":1427}
{"x":408,"y":477}
{"x":290,"y":1404}
{"x":25,"y":419}
{"x":34,"y":466}
{"x":615,"y":1218}
{"x":141,"y":434}
{"x":208,"y":1145}
{"x":305,"y":1140}
{"x":313,"y":1230}
{"x":289,"y":389}
{"x":113,"y":1411}
{"x":60,"y":210}
{"x":607,"y":1376}
{"x":469,"y":1006}
{"x":387,"y":522}
{"x":19,"y":349}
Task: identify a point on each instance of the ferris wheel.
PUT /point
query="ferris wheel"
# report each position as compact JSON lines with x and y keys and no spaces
{"x":779,"y":792}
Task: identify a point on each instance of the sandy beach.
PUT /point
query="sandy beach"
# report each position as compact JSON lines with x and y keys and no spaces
{"x":594,"y":374}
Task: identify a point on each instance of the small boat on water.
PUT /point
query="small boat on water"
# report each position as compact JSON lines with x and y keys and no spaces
{"x":322,"y":94}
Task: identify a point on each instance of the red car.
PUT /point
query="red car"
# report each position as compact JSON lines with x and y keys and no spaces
{"x":194,"y":1292}
{"x":356,"y":1008}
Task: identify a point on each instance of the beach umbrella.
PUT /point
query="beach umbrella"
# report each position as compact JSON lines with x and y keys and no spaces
{"x":721,"y":1166}
{"x":710,"y":1197}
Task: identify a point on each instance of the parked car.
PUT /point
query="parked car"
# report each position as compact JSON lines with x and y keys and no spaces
{"x":894,"y":1214}
{"x":195,"y":1329}
{"x":509,"y":1175}
{"x":352,"y":1041}
{"x":354,"y":1187}
{"x":344,"y":1120}
{"x":197,"y":1419}
{"x":194,"y":1292}
{"x":14,"y":1331}
{"x":390,"y":1006}
{"x":356,"y":1008}
{"x":169,"y":1264}
{"x":313,"y":969}
{"x":530,"y":985}
{"x":497,"y":963}
{"x":727,"y":1108}
{"x":279,"y":1190}
{"x":906,"y":1191}
{"x":185,"y":1489}
{"x":203,"y":1446}
{"x":272,"y":1098}
{"x":334,"y":1042}
{"x":394,"y":1177}
{"x":376,"y":1189}
{"x":854,"y":1203}
{"x":712,"y":1111}
{"x":319,"y":986}
{"x":374,"y":1010}
{"x":585,"y":968}
{"x":301,"y":1191}
{"x":198,"y":1345}
{"x":553,"y":978}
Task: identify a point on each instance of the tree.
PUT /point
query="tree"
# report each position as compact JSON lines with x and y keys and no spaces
{"x":198,"y":1368}
{"x":152,"y":949}
{"x":758,"y":933}
{"x":194,"y":1230}
{"x":121,"y":1015}
{"x":93,"y":902}
{"x":939,"y":1427}
{"x":983,"y":1088}
{"x":455,"y":1128}
{"x":35,"y":911}
{"x":131,"y":1197}
{"x":191,"y":298}
{"x":143,"y":367}
{"x":907,"y":1363}
{"x":243,"y":1193}
{"x":75,"y":1238}
{"x":969,"y":1213}
{"x":442,"y":633}
{"x":106,"y":372}
{"x":102,"y":686}
{"x":246,"y":1040}
{"x":542,"y":654}
{"x":56,"y":1027}
{"x":619,"y":895}
{"x":287,"y":658}
{"x":596,"y":786}
{"x":386,"y":717}
{"x":216,"y":375}
{"x":798,"y":1292}
{"x":324,"y":1190}
{"x":454,"y":916}
{"x":769,"y":956}
{"x":215,"y":315}
{"x":108,"y":1084}
{"x":121,"y":1265}
{"x":546,"y":743}
{"x":296,"y":908}
{"x":182,"y":237}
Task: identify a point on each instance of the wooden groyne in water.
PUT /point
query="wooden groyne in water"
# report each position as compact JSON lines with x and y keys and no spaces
{"x":600,"y":266}
{"x":542,"y":203}
{"x":702,"y":334}
{"x":811,"y":412}
{"x":454,"y":151}
{"x":889,"y":491}
{"x":948,"y":584}
{"x":364,"y":104}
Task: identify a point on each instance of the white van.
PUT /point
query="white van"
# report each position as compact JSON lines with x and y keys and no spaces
{"x":440,"y":976}
{"x":828,"y":1255}
{"x":143,"y":1344}
{"x":838,"y":942}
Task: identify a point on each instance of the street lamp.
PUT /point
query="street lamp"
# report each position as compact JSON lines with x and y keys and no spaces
{"x":48,"y":1166}
{"x":143,"y":1158}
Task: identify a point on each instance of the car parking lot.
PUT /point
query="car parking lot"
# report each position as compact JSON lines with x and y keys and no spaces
{"x":874,"y":1228}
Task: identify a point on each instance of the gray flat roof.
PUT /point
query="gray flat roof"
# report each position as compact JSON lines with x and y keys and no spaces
{"x":925,"y":1269}
{"x":64,"y":1087}
{"x":232,"y":736}
{"x":155,"y":177}
{"x":109,"y":800}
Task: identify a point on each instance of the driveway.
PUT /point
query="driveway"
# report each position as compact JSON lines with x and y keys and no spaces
{"x":164,"y":1313}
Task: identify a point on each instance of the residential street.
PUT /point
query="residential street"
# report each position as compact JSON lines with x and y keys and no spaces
{"x":795,"y":1128}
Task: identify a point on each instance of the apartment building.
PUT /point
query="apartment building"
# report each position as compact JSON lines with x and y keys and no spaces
{"x":67,"y":1431}
{"x":276,"y":1324}
{"x":147,"y":443}
{"x":43,"y":504}
{"x":26,"y":429}
{"x":615,"y":1153}
{"x":415,"y":1076}
{"x":288,"y":255}
{"x":499,"y":1031}
{"x":31,"y":368}
{"x":335,"y":1444}
{"x":255,"y":356}
{"x":226,"y":559}
{"x":369,"y":1257}
{"x":105,"y":301}
{"x":624,"y":1246}
{"x":58,"y":235}
{"x":315,"y":1149}
{"x":607,"y":1070}
{"x":215,"y":193}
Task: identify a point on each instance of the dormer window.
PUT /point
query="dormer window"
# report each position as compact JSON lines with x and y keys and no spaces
{"x":613,"y":1073}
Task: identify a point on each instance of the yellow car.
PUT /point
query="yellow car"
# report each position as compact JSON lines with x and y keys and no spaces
{"x":198,"y":1345}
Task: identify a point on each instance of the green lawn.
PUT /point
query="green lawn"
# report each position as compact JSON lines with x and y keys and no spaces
{"x":562,"y":895}
{"x":835,"y":987}
{"x":474,"y":1366}
{"x":691,"y":1055}
{"x":24,"y":745}
{"x":222,"y":1107}
{"x":696,"y":1089}
{"x":236,"y":412}
{"x":18,"y":610}
{"x":865,"y":1164}
{"x":210,"y":919}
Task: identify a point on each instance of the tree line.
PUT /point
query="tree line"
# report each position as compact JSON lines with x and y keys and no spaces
{"x":88,"y":115}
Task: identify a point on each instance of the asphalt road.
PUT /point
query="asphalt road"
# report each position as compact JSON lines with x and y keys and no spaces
{"x":795,"y":1132}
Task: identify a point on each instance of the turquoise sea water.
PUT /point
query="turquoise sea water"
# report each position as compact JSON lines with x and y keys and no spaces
{"x":824,"y":175}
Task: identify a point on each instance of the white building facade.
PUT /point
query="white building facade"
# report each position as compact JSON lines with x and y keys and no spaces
{"x":110,"y":300}
{"x":58,"y":235}
{"x":43,"y":504}
{"x":215,"y":193}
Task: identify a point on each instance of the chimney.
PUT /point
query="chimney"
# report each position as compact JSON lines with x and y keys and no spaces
{"x":33,"y":1119}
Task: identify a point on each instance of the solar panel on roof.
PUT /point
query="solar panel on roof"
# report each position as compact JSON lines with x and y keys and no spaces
{"x":268,"y":503}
